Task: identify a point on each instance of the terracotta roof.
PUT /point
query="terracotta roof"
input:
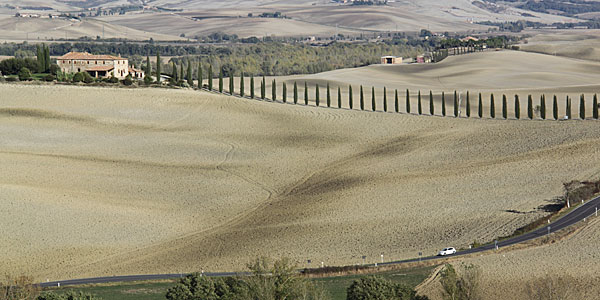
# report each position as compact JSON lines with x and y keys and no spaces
{"x":101,"y":68}
{"x":85,"y":55}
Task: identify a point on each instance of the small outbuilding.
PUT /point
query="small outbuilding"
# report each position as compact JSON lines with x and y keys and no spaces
{"x":391,"y":60}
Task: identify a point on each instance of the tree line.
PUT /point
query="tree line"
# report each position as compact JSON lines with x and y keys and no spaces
{"x":541,"y":109}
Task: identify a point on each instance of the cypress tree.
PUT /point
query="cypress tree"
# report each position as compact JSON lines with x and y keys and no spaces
{"x":46,"y":59}
{"x":305,"y":93}
{"x":396,"y":101}
{"x":40,"y":59}
{"x":190,"y":80}
{"x":284,"y":95}
{"x":252,"y":86}
{"x":158,"y":63}
{"x":468,"y":105}
{"x":242,"y":89}
{"x":263,"y":88}
{"x":419,"y":104}
{"x":328,"y":96}
{"x":362,"y":99}
{"x":569,"y":116}
{"x":200,"y":75}
{"x":274,"y":90}
{"x":407,"y":101}
{"x":317,"y":98}
{"x":373,"y":105}
{"x":384,"y":99}
{"x":595,"y":108}
{"x":339,"y":100}
{"x":480,"y":108}
{"x":221,"y":81}
{"x":443,"y":104}
{"x":181,"y":74}
{"x":295,"y":92}
{"x":543,"y":107}
{"x":504,"y":107}
{"x":231,"y":83}
{"x":173,"y":73}
{"x":529,"y":107}
{"x":148,"y":66}
{"x":555,"y":108}
{"x":492,"y":107}
{"x":350,"y":102}
{"x":517,"y":107}
{"x":431,"y":105}
{"x":455,"y":104}
{"x":210,"y":77}
{"x":582,"y":107}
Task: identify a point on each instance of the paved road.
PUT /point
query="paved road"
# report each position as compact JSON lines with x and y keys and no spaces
{"x":586,"y":210}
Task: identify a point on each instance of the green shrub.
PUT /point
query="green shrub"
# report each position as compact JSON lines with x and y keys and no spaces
{"x":12,"y":79}
{"x":54,"y":69}
{"x":377,"y":288}
{"x":148,"y":80}
{"x":70,"y":295}
{"x":24,"y":74}
{"x":78,"y":77}
{"x":113,"y":79}
{"x":49,"y":77}
{"x":87,"y":78}
{"x":127,"y":81}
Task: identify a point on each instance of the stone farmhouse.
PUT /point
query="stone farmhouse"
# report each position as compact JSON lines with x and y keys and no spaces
{"x":98,"y":66}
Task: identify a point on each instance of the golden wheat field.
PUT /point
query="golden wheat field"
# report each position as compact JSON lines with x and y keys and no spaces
{"x":104,"y":181}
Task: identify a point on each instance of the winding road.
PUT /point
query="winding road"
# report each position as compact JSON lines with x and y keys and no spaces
{"x":586,"y":210}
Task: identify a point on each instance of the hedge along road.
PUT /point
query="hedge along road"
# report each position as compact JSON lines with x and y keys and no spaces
{"x":586,"y":210}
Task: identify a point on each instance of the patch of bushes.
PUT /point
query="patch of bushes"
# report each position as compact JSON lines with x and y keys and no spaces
{"x":377,"y":288}
{"x":49,"y":77}
{"x":127,"y":81}
{"x":24,"y":74}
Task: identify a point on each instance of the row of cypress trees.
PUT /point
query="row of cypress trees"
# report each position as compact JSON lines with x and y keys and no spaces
{"x":541,"y":108}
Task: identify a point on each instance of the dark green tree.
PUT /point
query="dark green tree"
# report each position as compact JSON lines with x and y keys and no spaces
{"x":305,"y":93}
{"x":242,"y":89}
{"x":362,"y":99}
{"x":443,"y":104}
{"x":431,"y":105}
{"x":251,"y":86}
{"x":181,"y":77}
{"x":221,"y":81}
{"x":377,"y":288}
{"x":231,"y":83}
{"x":468,"y":105}
{"x":385,"y":99}
{"x":555,"y":108}
{"x":210,"y":78}
{"x":568,"y":109}
{"x":190,"y":80}
{"x":295,"y":92}
{"x":517,"y":107}
{"x":350,"y":102}
{"x":407,"y":101}
{"x":274,"y":90}
{"x":595,"y":107}
{"x":317,"y":96}
{"x":543,"y":107}
{"x":492,"y":107}
{"x":504,"y":107}
{"x":396,"y":101}
{"x":529,"y":107}
{"x":339,"y":98}
{"x":284,"y":94}
{"x":200,"y":77}
{"x":480,"y":108}
{"x":40,"y":59}
{"x":148,"y":66}
{"x":173,"y":73}
{"x":328,"y":96}
{"x":419,"y":104}
{"x":47,"y":61}
{"x":263,"y":88}
{"x":455,"y":104}
{"x":373,"y":100}
{"x":158,"y":65}
{"x":582,"y":107}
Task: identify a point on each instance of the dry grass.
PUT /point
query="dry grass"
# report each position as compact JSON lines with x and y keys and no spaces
{"x":102,"y":181}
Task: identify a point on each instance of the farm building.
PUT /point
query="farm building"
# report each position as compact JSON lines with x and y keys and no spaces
{"x":97,"y":66}
{"x":391,"y":60}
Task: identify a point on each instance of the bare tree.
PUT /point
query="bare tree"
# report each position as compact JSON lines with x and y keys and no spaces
{"x":551,"y":287}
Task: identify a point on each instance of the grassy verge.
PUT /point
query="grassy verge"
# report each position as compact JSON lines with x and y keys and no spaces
{"x":155,"y":290}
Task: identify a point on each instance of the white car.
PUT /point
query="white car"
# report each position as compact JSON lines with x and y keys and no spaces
{"x":447,"y":251}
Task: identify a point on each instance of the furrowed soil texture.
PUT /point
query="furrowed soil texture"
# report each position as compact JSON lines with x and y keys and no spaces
{"x":102,"y":181}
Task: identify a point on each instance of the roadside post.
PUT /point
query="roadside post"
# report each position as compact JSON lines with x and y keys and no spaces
{"x":548,"y":230}
{"x":420,"y":253}
{"x":496,"y":244}
{"x":381,"y":257}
